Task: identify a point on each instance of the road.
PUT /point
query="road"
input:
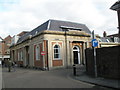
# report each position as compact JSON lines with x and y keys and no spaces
{"x":29,"y":78}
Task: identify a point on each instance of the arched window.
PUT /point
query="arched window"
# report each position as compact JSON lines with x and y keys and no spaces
{"x":56,"y":52}
{"x":20,"y":55}
{"x":37,"y":52}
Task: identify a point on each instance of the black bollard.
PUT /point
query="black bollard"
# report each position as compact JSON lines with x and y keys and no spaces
{"x":74,"y":70}
{"x":9,"y":66}
{"x":9,"y":69}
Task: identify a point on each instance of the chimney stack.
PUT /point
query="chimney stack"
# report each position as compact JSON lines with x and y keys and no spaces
{"x":104,"y":34}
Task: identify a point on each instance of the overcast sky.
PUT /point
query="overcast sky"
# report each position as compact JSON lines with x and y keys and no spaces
{"x":24,"y":15}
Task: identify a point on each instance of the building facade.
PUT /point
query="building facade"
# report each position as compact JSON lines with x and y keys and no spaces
{"x":4,"y":48}
{"x":116,"y":7}
{"x":109,"y":40}
{"x":53,"y":44}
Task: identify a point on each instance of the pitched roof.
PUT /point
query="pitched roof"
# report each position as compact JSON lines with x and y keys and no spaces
{"x":22,"y":33}
{"x":8,"y":37}
{"x":116,"y":6}
{"x":114,"y":35}
{"x":55,"y":25}
{"x":106,"y":39}
{"x":1,"y":38}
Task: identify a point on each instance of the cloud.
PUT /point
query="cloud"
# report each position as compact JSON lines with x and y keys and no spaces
{"x":28,"y":14}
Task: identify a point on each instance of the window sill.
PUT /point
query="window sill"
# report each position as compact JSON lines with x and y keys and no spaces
{"x":38,"y":60}
{"x":57,"y":59}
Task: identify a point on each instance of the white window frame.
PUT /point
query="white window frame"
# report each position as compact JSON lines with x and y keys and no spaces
{"x":79,"y":53}
{"x":116,"y":39}
{"x":20,"y":56}
{"x":59,"y":52}
{"x":107,"y":40}
{"x":37,"y":52}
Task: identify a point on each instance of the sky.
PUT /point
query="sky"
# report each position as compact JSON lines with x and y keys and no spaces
{"x":25,"y":15}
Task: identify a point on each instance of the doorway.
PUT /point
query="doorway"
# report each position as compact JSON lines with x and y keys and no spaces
{"x":76,"y":55}
{"x":27,"y":55}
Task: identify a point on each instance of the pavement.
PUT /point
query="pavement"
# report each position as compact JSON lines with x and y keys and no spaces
{"x":82,"y":76}
{"x":62,"y":78}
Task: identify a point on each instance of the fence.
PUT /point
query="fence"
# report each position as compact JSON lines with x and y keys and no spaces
{"x":108,"y":61}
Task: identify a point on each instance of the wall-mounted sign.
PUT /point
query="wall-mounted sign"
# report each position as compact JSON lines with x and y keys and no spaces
{"x":43,"y":53}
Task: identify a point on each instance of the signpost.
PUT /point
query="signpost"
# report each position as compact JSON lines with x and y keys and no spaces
{"x":94,"y":44}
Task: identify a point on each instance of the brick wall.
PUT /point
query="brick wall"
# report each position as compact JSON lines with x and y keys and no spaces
{"x":57,"y":63}
{"x":108,"y":61}
{"x":38,"y":63}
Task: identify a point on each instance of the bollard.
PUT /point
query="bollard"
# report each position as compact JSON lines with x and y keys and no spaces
{"x":9,"y":69}
{"x":74,"y":70}
{"x":9,"y":66}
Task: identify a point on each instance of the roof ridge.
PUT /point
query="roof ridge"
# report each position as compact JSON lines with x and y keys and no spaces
{"x":65,"y":21}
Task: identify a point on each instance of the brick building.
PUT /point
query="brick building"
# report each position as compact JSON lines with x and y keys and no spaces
{"x":4,"y":48}
{"x":53,"y":44}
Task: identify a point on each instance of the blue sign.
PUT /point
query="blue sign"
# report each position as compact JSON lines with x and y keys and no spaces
{"x":94,"y":43}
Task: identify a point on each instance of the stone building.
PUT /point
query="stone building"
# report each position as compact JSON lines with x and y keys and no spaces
{"x":53,"y":44}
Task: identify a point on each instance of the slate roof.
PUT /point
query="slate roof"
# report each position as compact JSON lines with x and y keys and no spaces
{"x":1,"y":38}
{"x":114,"y":35}
{"x":54,"y":25}
{"x":106,"y":39}
{"x":116,"y":6}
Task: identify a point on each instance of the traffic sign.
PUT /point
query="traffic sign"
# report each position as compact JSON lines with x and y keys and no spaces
{"x":43,"y":53}
{"x":94,"y":43}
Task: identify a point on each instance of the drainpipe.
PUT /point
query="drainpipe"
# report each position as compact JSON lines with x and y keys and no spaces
{"x":47,"y":55}
{"x":43,"y":56}
{"x":66,"y":49}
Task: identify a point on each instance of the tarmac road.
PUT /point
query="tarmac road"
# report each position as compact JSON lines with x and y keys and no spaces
{"x":29,"y":78}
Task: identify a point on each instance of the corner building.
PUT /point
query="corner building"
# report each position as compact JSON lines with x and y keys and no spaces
{"x":54,"y":44}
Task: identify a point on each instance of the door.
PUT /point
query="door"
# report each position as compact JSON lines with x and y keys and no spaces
{"x":76,"y":55}
{"x":27,"y":55}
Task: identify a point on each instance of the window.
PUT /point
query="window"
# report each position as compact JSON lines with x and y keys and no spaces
{"x":37,"y":52}
{"x":20,"y":56}
{"x":116,"y":39}
{"x":56,"y":52}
